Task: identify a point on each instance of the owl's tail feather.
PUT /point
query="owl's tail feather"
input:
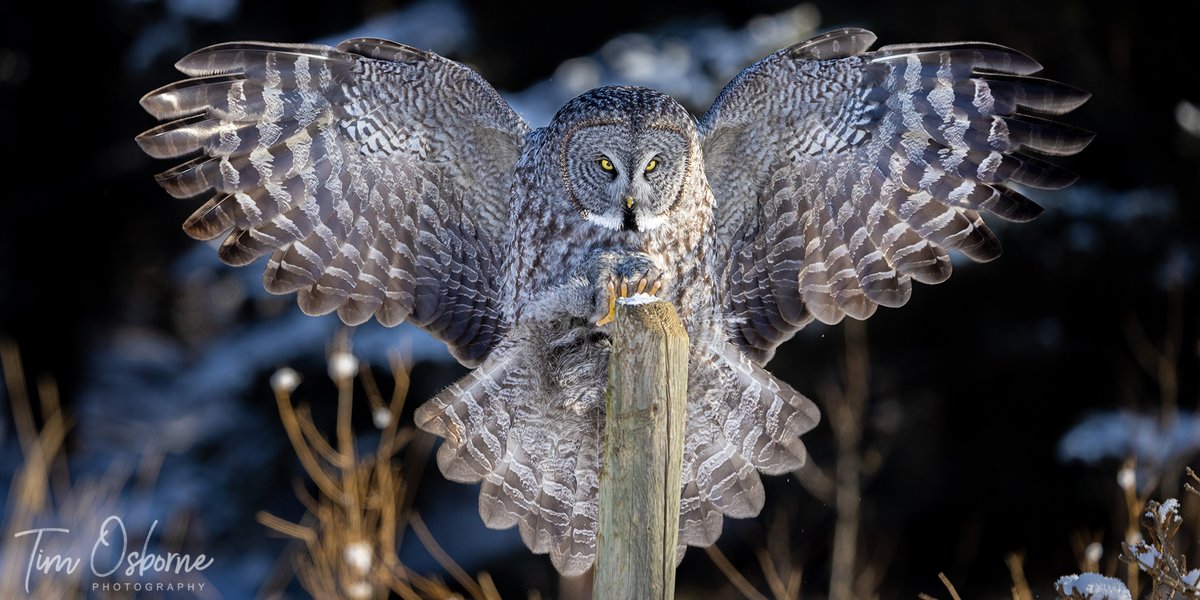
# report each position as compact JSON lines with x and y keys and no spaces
{"x":535,"y":450}
{"x":535,"y":443}
{"x":765,"y":416}
{"x":741,"y":420}
{"x":467,"y":415}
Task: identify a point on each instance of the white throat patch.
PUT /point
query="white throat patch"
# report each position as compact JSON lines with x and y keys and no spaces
{"x":610,"y":222}
{"x":615,"y":223}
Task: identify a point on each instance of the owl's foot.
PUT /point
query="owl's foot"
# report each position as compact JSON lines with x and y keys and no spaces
{"x":649,"y":279}
{"x":611,"y":315}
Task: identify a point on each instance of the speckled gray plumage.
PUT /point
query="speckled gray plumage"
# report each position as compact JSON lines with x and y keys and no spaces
{"x":389,"y":182}
{"x":886,"y":161}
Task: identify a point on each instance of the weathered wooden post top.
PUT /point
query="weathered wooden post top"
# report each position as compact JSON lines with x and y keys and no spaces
{"x":643,"y":454}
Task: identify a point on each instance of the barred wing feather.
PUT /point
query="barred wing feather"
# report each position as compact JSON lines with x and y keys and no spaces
{"x":372,"y":175}
{"x":842,"y":175}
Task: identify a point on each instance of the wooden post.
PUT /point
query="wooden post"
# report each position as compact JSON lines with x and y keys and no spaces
{"x":643,"y":453}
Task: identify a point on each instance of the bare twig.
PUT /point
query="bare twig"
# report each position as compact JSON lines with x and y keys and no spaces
{"x":1016,"y":570}
{"x":301,"y":446}
{"x":817,"y":482}
{"x":949,"y":586}
{"x":778,"y":586}
{"x":286,"y":527}
{"x":846,"y":417}
{"x":1127,"y":479}
{"x":443,"y":559}
{"x":731,"y":573}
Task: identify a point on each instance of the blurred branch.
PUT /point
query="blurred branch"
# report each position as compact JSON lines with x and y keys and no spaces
{"x":1127,"y":480}
{"x":783,"y":575}
{"x":731,"y":573}
{"x":443,"y":559}
{"x":817,"y":482}
{"x":1016,"y":570}
{"x":1161,"y":361}
{"x":1088,"y":550}
{"x":949,"y":587}
{"x":846,"y":415}
{"x":18,"y":395}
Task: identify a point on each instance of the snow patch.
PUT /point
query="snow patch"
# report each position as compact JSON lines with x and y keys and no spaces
{"x":1093,"y":586}
{"x":638,"y":299}
{"x":358,"y":555}
{"x":1168,"y":511}
{"x":1147,"y":557}
{"x":285,"y":380}
{"x":1192,"y":577}
{"x":382,"y":417}
{"x":342,"y":365}
{"x":1127,"y":478}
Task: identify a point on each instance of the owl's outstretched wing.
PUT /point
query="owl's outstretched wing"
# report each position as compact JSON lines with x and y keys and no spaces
{"x":375,"y":175}
{"x":841,"y":175}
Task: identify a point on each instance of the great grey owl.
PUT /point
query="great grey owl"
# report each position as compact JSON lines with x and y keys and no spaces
{"x":385,"y":181}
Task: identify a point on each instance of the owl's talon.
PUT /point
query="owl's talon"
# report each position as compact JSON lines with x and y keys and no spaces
{"x":630,"y":275}
{"x":612,"y":306}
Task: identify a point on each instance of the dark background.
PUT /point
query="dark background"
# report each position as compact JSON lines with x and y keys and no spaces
{"x":977,"y":380}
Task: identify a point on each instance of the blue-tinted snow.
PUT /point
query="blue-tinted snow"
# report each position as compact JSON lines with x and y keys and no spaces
{"x":690,"y":63}
{"x":203,"y":10}
{"x":167,"y":37}
{"x":1082,"y":201}
{"x":1120,"y":434}
{"x":442,"y":27}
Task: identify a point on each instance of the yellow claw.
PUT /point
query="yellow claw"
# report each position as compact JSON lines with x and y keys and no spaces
{"x":624,"y":290}
{"x":641,"y":285}
{"x":657,"y":286}
{"x":612,"y":306}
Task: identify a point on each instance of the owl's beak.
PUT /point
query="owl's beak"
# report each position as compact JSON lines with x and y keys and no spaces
{"x":629,"y":220}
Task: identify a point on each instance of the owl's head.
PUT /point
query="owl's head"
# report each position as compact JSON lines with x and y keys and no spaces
{"x":626,"y":155}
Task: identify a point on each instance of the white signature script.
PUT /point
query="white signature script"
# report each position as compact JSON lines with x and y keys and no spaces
{"x":101,"y":562}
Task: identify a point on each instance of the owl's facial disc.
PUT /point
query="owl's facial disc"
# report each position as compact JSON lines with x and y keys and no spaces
{"x":622,"y":178}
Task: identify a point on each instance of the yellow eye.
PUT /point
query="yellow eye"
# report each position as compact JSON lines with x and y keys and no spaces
{"x":606,"y":164}
{"x":650,"y":166}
